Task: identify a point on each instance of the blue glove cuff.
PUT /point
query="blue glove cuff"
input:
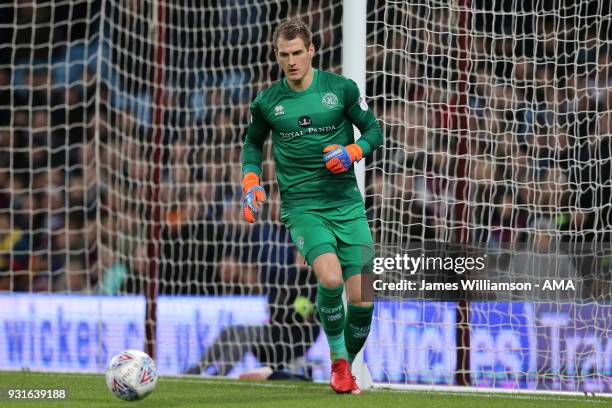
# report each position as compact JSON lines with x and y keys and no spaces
{"x":342,"y":154}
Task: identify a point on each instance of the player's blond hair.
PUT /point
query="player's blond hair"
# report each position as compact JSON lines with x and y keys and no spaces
{"x":290,"y":29}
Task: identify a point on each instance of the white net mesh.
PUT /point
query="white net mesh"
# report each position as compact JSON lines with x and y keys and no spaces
{"x":496,"y":117}
{"x":120,"y":131}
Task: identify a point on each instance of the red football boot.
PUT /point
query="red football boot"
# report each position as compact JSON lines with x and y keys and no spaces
{"x":341,"y":378}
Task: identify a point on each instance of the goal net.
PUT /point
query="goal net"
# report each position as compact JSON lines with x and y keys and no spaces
{"x":496,"y":118}
{"x":121,"y":124}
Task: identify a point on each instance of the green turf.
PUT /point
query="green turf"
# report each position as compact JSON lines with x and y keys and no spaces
{"x":90,"y":391}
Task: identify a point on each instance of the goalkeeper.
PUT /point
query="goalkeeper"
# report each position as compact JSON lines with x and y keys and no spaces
{"x":311,"y":115}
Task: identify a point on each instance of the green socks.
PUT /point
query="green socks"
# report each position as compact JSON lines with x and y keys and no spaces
{"x":345,"y":337}
{"x":357,"y":328}
{"x":331,"y":313}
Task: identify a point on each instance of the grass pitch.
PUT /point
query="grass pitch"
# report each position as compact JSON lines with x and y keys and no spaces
{"x":86,"y":390}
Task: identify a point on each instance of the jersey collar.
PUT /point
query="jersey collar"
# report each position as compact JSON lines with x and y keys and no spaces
{"x":315,"y":75}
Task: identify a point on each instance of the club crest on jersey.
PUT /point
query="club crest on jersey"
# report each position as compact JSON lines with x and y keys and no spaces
{"x":330,"y":100}
{"x":279,"y":110}
{"x":305,"y":121}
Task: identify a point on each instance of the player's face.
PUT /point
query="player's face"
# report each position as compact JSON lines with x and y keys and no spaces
{"x":294,"y":58}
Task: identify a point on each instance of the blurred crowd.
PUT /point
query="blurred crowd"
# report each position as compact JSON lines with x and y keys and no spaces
{"x":498,"y":136}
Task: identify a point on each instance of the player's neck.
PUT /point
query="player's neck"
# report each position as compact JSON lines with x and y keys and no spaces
{"x":303,"y":83}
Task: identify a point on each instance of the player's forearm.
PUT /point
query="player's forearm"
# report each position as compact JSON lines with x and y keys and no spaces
{"x":256,"y":134}
{"x":251,"y":158}
{"x":371,"y":133}
{"x":252,"y":151}
{"x":371,"y":139}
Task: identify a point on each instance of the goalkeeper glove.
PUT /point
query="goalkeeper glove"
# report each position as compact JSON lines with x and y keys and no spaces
{"x":339,"y":159}
{"x":253,"y":195}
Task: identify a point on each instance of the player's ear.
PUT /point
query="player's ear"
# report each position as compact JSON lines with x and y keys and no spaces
{"x":311,"y":50}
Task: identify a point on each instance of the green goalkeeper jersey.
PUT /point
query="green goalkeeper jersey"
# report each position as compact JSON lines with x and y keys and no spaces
{"x":303,"y":123}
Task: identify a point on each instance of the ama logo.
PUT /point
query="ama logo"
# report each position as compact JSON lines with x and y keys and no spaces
{"x":304,"y":121}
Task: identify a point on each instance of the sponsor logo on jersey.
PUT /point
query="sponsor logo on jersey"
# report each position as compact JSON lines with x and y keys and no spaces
{"x":330,"y":100}
{"x":362,"y":104}
{"x":300,"y":242}
{"x":285,"y":136}
{"x":279,"y":110}
{"x":304,"y":121}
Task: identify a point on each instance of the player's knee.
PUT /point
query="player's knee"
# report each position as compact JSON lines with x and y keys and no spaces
{"x":331,"y":280}
{"x":328,"y":270}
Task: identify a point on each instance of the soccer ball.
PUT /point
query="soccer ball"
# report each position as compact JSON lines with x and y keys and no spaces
{"x":131,"y":375}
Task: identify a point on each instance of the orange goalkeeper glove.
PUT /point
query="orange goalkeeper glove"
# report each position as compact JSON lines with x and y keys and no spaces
{"x":339,"y":159}
{"x":253,"y":196}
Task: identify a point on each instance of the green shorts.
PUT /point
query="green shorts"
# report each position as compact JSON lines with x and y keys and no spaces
{"x":342,"y":230}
